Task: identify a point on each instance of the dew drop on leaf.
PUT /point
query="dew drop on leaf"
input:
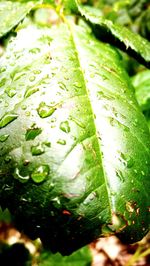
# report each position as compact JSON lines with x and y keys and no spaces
{"x":32,"y":78}
{"x":10,"y":92}
{"x":32,"y":133}
{"x":40,"y":173}
{"x":77,"y":84}
{"x":127,"y":160}
{"x":64,"y":126}
{"x":61,"y":142}
{"x":2,"y":69}
{"x":7,"y":118}
{"x":37,"y":150}
{"x":119,"y":174}
{"x":18,"y":176}
{"x":29,"y":91}
{"x":45,"y":110}
{"x":3,"y":137}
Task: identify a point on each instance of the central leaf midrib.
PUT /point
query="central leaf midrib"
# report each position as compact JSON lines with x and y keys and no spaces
{"x":94,"y":126}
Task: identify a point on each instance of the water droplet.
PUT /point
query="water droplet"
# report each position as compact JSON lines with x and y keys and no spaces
{"x":7,"y":118}
{"x":77,"y":84}
{"x":2,"y":82}
{"x":34,"y":50}
{"x":79,"y":123}
{"x":10,"y":92}
{"x":32,"y":78}
{"x":64,"y":126}
{"x":29,"y":91}
{"x":37,"y":71}
{"x":120,"y":175}
{"x":61,"y":142}
{"x":127,"y":160}
{"x":21,"y":178}
{"x":32,"y":133}
{"x":3,"y":138}
{"x":62,"y":86}
{"x":40,"y":173}
{"x":2,"y":69}
{"x":27,"y":113}
{"x":45,"y":110}
{"x":92,"y":75}
{"x":23,"y":107}
{"x":37,"y":150}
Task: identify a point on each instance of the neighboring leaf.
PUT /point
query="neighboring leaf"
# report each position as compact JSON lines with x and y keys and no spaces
{"x":141,"y":82}
{"x":74,"y":150}
{"x":115,"y":34}
{"x":82,"y":257}
{"x":5,"y":216}
{"x":11,"y":13}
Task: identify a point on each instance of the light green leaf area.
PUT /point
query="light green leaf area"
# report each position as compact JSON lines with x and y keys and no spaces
{"x":116,"y":34}
{"x":11,"y":13}
{"x":74,"y":146}
{"x":141,"y":82}
{"x":82,"y":257}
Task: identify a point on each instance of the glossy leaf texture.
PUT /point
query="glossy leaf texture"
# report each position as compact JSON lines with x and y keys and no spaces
{"x":11,"y":13}
{"x":74,"y":146}
{"x":118,"y":35}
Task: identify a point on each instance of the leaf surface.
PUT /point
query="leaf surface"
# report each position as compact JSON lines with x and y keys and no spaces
{"x":74,"y":149}
{"x":117,"y":35}
{"x":81,"y":257}
{"x":11,"y":13}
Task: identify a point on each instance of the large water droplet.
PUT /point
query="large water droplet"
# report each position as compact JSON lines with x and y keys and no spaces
{"x":7,"y":118}
{"x":32,"y":133}
{"x":4,"y":137}
{"x":10,"y":92}
{"x":18,"y":176}
{"x":40,"y":173}
{"x":64,"y":126}
{"x":29,"y":91}
{"x":45,"y":110}
{"x":37,"y":149}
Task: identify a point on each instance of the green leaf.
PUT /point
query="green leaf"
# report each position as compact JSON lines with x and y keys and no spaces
{"x":116,"y":34}
{"x":141,"y":82}
{"x":11,"y":13}
{"x":82,"y":257}
{"x":75,"y":163}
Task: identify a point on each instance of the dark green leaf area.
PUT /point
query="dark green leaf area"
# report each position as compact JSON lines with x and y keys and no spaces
{"x":11,"y":13}
{"x":117,"y":35}
{"x":76,"y":163}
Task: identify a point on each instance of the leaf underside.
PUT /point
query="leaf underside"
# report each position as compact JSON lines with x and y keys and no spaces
{"x":74,"y":146}
{"x":115,"y":34}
